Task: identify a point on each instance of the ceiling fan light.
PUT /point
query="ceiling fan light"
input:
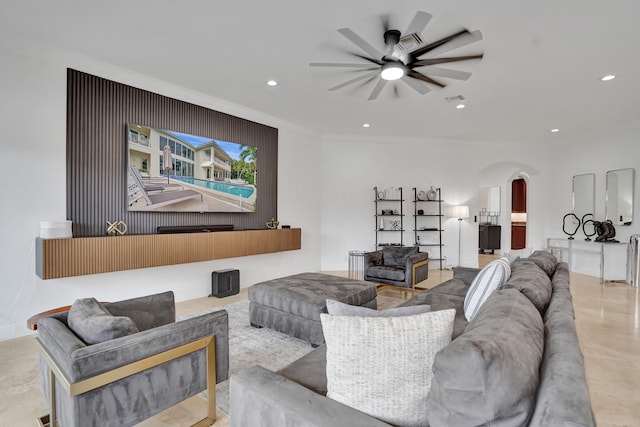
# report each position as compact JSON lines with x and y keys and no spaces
{"x":392,"y":71}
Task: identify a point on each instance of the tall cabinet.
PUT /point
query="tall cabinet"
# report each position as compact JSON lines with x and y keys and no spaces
{"x":389,"y":216}
{"x":427,"y":222}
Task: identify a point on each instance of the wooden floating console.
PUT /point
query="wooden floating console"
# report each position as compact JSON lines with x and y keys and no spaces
{"x":80,"y":256}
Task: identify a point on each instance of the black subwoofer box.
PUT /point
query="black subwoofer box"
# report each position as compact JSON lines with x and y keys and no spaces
{"x":225,"y":283}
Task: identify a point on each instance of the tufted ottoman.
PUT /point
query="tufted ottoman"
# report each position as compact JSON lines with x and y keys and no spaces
{"x":292,"y":304}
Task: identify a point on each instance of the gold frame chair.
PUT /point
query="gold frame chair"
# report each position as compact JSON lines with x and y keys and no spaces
{"x":77,"y":388}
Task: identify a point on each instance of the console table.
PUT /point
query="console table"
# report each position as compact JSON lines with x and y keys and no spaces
{"x":79,"y":256}
{"x":611,"y":257}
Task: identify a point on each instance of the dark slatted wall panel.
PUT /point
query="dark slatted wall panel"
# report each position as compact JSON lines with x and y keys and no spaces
{"x":98,"y":112}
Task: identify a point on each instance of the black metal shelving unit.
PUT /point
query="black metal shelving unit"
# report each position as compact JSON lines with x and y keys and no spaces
{"x":394,"y":204}
{"x":425,"y":224}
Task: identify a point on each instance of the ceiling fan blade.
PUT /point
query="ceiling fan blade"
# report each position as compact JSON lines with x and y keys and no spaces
{"x":366,"y":58}
{"x":340,"y":65}
{"x":450,"y":74}
{"x":355,"y":80}
{"x":377,"y":89}
{"x":417,"y":85}
{"x":462,"y":40}
{"x":427,"y":48}
{"x":418,"y":23}
{"x":416,"y":75}
{"x":360,"y":42}
{"x":434,"y":61}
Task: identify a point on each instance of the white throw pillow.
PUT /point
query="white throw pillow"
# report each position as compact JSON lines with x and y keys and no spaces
{"x":382,"y":365}
{"x":338,"y":308}
{"x":493,"y":276}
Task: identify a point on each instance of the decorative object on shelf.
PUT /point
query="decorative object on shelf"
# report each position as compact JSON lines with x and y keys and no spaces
{"x":564,"y":225}
{"x":116,"y":228}
{"x":420,"y":212}
{"x":381,"y":195}
{"x":586,"y":222}
{"x":381,"y":225}
{"x":461,"y":212}
{"x":394,"y":224}
{"x":273,"y":224}
{"x":387,"y":211}
{"x":606,"y":231}
{"x":422,"y":195}
{"x":432,"y":194}
{"x":55,"y":229}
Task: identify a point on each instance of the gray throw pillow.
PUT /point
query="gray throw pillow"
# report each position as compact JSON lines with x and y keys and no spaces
{"x":337,"y":308}
{"x":93,"y":323}
{"x":382,"y":365}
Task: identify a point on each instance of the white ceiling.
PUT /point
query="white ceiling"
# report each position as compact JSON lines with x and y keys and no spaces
{"x":541,"y":67}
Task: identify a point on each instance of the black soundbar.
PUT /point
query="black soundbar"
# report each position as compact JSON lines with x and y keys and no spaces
{"x":194,"y":228}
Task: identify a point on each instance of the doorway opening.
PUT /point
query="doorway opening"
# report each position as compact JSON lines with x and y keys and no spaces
{"x":518,"y":213}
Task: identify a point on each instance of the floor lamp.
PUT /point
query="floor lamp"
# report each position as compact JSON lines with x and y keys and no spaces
{"x":461,"y":212}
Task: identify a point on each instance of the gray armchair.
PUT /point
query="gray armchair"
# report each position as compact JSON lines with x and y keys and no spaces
{"x":122,"y":381}
{"x":398,"y":266}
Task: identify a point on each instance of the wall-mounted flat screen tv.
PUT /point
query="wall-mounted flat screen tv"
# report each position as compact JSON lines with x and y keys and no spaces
{"x":170,"y":171}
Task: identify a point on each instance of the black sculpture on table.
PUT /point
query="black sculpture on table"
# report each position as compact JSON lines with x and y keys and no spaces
{"x":606,"y":231}
{"x":584,"y":224}
{"x":564,"y":225}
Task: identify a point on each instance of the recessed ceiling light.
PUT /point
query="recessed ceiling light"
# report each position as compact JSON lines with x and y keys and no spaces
{"x":272,"y":83}
{"x":608,"y":77}
{"x":366,"y":125}
{"x":555,"y":130}
{"x":460,"y":106}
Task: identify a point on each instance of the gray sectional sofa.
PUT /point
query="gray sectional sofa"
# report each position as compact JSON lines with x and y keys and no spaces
{"x":517,"y":363}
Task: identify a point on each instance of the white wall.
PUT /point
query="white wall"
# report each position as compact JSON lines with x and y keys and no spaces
{"x":33,"y":174}
{"x":617,"y":150}
{"x":352,"y":167}
{"x":325,"y":187}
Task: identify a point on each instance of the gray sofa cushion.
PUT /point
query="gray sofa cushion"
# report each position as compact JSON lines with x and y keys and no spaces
{"x":532,"y":281}
{"x":386,"y":272}
{"x":563,"y":394}
{"x":489,"y":374}
{"x":545,"y":260}
{"x":441,"y":301}
{"x":451,"y":287}
{"x":94,"y":324}
{"x":397,"y":257}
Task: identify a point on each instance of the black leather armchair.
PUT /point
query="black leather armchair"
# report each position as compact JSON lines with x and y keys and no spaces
{"x":398,"y":266}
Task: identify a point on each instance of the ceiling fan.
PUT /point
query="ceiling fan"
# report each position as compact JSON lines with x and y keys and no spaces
{"x":403,"y":55}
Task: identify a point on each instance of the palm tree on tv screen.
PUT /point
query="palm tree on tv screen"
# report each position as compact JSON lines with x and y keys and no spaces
{"x":248,"y":156}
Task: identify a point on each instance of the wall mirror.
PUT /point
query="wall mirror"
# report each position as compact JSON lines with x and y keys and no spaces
{"x":619,"y":198}
{"x":584,"y":190}
{"x":489,"y":203}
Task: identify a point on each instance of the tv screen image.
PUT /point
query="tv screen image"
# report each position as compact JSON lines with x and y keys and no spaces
{"x":170,"y":171}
